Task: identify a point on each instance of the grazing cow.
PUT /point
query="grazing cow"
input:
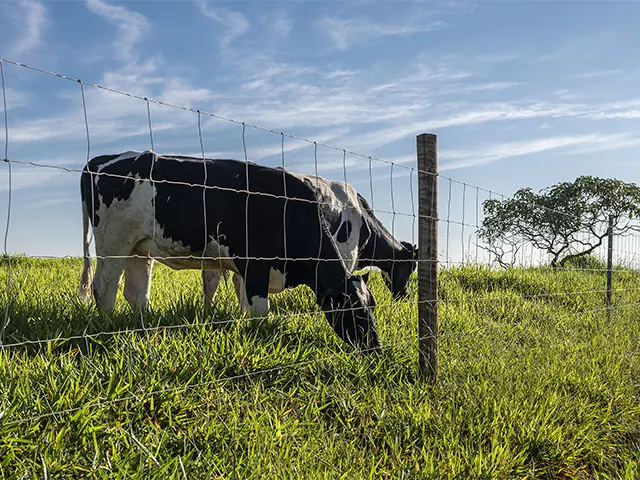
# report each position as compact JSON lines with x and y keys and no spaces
{"x":154,"y":207}
{"x":362,"y":240}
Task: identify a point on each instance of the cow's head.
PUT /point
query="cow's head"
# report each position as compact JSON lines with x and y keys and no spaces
{"x":349,"y":310}
{"x":398,"y":279}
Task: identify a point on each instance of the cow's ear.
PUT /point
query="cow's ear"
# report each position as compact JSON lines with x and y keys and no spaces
{"x":415,"y":251}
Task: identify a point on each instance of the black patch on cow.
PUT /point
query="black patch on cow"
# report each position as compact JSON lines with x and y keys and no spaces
{"x":344,"y":232}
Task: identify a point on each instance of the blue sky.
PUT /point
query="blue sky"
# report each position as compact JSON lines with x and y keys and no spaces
{"x":520,"y":94}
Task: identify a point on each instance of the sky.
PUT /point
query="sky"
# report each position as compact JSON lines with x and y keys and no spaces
{"x":520,"y":94}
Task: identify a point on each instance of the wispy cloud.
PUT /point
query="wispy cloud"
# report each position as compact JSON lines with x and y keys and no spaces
{"x":419,"y":17}
{"x":27,"y":176}
{"x":279,"y":25}
{"x":481,"y":156}
{"x":48,"y":202}
{"x":473,"y":115}
{"x":266,"y":151}
{"x":31,"y":18}
{"x":347,"y":32}
{"x":580,"y":48}
{"x":598,"y":74}
{"x":131,"y":28}
{"x":233,"y":24}
{"x":15,"y":98}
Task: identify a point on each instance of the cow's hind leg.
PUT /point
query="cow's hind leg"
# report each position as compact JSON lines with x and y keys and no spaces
{"x":210,"y":282}
{"x":253,"y":291}
{"x":137,"y":282}
{"x":106,"y":281}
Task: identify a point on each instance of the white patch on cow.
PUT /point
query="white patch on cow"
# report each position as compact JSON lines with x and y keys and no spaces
{"x":131,"y":231}
{"x":259,"y":306}
{"x":276,"y":280}
{"x":122,"y":156}
{"x":342,"y":197}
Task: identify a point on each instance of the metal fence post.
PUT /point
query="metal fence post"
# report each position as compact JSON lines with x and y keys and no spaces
{"x":428,"y":325}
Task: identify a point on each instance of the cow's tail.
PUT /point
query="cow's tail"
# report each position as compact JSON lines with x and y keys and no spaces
{"x":87,"y":267}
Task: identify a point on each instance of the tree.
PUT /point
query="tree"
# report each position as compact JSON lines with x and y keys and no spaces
{"x":567,"y":220}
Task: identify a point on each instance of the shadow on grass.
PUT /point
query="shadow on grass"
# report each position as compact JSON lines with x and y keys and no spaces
{"x":64,"y":323}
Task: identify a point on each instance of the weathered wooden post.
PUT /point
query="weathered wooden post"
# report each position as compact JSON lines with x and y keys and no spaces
{"x":609,"y":266}
{"x":428,"y":325}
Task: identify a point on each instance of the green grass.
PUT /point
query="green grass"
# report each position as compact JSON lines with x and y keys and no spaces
{"x":535,"y":382}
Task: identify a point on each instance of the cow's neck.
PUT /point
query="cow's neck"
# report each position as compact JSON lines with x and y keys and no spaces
{"x":330,"y":270}
{"x":381,"y":249}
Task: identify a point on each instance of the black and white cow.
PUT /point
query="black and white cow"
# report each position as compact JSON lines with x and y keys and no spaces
{"x":362,"y":240}
{"x":177,"y":222}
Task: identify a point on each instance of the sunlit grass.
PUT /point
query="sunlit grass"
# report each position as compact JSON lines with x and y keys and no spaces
{"x":535,"y":382}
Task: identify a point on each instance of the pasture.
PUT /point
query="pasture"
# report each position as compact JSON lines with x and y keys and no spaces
{"x":534,"y":382}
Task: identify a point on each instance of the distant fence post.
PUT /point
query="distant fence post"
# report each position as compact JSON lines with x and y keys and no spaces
{"x":609,"y":266}
{"x":428,"y":325}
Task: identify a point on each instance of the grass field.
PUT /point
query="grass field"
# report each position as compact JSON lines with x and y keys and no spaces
{"x":535,"y":382}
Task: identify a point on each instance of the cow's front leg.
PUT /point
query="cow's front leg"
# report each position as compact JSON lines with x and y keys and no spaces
{"x":210,"y":281}
{"x":137,"y":282}
{"x":106,"y":281}
{"x":253,"y":290}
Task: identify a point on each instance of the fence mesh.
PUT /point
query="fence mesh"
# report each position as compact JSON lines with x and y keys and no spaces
{"x":505,"y":284}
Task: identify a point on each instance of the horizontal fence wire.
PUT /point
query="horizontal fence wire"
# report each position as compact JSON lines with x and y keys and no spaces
{"x":202,"y":112}
{"x":285,"y":316}
{"x":256,"y":127}
{"x":207,"y":383}
{"x":278,"y":368}
{"x":194,"y":185}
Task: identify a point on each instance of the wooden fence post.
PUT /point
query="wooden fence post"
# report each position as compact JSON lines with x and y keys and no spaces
{"x":609,"y":266}
{"x":428,"y":325}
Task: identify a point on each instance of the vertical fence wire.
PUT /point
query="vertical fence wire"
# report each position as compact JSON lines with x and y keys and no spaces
{"x":346,"y":189}
{"x":244,"y":293}
{"x":93,"y":210}
{"x":464,"y":206}
{"x":284,"y":207}
{"x":319,"y":194}
{"x":477,"y":224}
{"x":375,"y":239}
{"x":204,"y":189}
{"x":413,"y":210}
{"x":393,"y":229}
{"x":446,"y":256}
{"x":152,"y":183}
{"x":7,"y":257}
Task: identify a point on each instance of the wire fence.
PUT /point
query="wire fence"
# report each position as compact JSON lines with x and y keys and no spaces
{"x":501,"y":268}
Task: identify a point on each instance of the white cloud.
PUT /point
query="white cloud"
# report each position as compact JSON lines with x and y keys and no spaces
{"x":48,"y":202}
{"x":357,"y":30}
{"x":32,"y":20}
{"x":234,"y":24}
{"x":15,"y":98}
{"x":417,"y":17}
{"x":279,"y":25}
{"x":598,"y":74}
{"x":493,"y":153}
{"x":291,"y":145}
{"x":473,"y":116}
{"x":26,"y":176}
{"x":131,"y":28}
